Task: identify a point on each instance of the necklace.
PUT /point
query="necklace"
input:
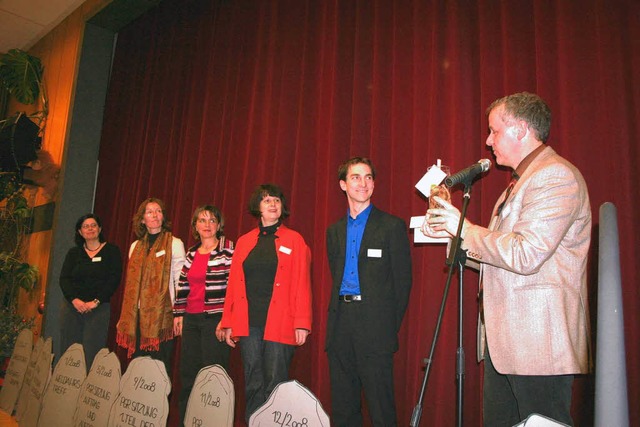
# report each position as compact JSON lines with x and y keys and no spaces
{"x":92,"y":250}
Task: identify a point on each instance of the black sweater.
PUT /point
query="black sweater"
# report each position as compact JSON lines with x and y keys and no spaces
{"x":87,"y":279}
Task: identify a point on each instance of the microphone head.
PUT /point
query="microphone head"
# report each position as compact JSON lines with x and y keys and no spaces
{"x":485,"y":163}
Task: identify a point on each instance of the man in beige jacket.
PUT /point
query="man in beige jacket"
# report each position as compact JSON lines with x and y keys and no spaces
{"x":534,"y":323}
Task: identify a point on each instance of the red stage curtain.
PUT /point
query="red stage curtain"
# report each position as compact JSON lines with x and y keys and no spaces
{"x":210,"y":98}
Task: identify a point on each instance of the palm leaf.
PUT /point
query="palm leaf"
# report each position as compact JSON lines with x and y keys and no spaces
{"x":26,"y":275}
{"x":21,"y":74}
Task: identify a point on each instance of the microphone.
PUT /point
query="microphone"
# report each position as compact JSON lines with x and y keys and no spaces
{"x":468,"y":174}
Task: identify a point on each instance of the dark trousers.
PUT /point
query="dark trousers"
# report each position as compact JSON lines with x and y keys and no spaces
{"x":353,"y":367}
{"x":89,"y":329}
{"x":510,"y":399}
{"x":163,"y":354}
{"x":200,"y":348}
{"x":266,"y":364}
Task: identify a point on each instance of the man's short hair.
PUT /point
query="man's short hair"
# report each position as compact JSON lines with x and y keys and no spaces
{"x":343,"y":169}
{"x":528,"y":107}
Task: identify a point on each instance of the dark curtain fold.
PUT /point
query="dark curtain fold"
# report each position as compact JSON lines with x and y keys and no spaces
{"x":210,"y":98}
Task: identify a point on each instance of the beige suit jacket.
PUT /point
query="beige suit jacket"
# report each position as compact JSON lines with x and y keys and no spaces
{"x":533,"y":272}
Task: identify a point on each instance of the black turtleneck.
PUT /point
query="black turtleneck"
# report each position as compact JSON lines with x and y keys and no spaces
{"x":259,"y":272}
{"x":152,"y":239}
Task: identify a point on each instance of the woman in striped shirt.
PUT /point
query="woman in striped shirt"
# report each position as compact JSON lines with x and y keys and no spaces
{"x":200,"y":298}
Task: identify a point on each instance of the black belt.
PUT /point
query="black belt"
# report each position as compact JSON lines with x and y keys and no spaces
{"x":349,"y":298}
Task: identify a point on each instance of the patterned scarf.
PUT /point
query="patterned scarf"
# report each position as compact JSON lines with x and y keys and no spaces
{"x":146,"y":294}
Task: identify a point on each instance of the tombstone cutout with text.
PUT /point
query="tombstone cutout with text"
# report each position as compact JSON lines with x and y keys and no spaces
{"x":144,"y":391}
{"x":537,"y":420}
{"x":39,"y":381}
{"x":212,"y":399}
{"x":16,"y":371}
{"x":61,"y":395}
{"x":290,"y":404}
{"x":99,"y":391}
{"x":23,"y":397}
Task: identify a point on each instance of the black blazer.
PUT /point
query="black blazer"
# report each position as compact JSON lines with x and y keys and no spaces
{"x":384,"y":268}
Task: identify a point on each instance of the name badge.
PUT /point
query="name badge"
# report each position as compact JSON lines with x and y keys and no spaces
{"x":285,"y":250}
{"x":160,"y":253}
{"x":96,"y":259}
{"x":374,"y":253}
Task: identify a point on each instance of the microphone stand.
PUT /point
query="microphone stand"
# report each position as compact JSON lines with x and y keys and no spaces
{"x":457,"y":256}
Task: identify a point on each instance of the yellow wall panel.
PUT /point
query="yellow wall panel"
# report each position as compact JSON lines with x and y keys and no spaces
{"x":59,"y":52}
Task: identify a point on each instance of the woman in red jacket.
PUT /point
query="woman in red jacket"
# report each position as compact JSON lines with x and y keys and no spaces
{"x":268,"y":303}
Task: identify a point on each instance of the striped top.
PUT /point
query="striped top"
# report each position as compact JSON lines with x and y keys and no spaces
{"x":218,"y":268}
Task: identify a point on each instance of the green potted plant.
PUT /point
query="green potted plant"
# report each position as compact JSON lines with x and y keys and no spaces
{"x":11,"y":324}
{"x":21,"y":76}
{"x":15,"y":274}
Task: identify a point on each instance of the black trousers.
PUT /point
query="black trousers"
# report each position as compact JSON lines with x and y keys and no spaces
{"x":163,"y":354}
{"x":510,"y":399}
{"x":354,"y":367}
{"x":199,"y":348}
{"x":89,"y":329}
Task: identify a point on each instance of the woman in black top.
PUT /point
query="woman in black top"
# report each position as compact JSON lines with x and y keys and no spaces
{"x":90,"y":275}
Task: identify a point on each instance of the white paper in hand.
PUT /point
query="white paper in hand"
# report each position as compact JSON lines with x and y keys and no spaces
{"x":434,"y":176}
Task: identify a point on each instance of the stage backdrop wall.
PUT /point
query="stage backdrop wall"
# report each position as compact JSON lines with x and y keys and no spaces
{"x":210,"y":98}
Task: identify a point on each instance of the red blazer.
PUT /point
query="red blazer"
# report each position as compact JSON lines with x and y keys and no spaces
{"x":290,"y":306}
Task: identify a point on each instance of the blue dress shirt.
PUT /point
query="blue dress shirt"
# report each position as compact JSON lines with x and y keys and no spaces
{"x":355,"y":230}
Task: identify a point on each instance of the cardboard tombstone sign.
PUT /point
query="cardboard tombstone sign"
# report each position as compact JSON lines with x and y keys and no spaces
{"x":212,"y":399}
{"x":143,"y":399}
{"x":537,"y":420}
{"x":16,"y":371}
{"x":23,"y":396}
{"x":39,"y":381}
{"x":290,"y":404}
{"x":99,"y":391}
{"x":61,"y":395}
